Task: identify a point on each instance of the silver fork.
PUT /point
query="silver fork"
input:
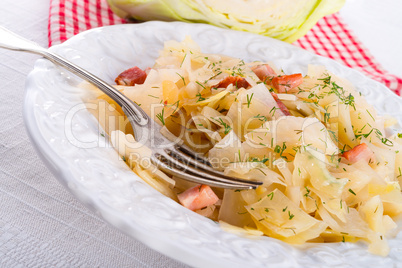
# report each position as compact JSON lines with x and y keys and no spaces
{"x":174,"y":159}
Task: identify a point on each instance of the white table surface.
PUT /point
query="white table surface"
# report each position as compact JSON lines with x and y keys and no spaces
{"x":43,"y":225}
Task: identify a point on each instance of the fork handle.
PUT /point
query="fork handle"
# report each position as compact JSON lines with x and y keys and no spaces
{"x":10,"y":40}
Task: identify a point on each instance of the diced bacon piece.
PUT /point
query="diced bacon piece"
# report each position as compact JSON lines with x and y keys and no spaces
{"x":282,"y":106}
{"x":286,"y":83}
{"x":131,"y":77}
{"x":198,"y":197}
{"x":359,"y":152}
{"x":264,"y":72}
{"x":237,"y":81}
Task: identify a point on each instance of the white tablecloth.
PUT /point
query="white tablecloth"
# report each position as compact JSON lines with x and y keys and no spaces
{"x":41,"y":224}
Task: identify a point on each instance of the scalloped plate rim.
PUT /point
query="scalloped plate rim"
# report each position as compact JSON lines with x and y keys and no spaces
{"x":44,"y":149}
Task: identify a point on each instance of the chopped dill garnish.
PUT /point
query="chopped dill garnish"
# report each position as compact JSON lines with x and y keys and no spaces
{"x":249,"y":99}
{"x":161,"y":116}
{"x":261,"y":117}
{"x":182,"y":78}
{"x":183,"y":60}
{"x":200,"y":98}
{"x":350,"y":190}
{"x":271,"y":195}
{"x":370,"y":115}
{"x":200,"y":84}
{"x":227,"y":127}
{"x":290,"y":215}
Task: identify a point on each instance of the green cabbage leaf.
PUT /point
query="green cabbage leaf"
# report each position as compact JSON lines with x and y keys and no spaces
{"x":286,"y":20}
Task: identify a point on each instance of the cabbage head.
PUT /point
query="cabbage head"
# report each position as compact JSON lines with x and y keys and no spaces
{"x":286,"y":20}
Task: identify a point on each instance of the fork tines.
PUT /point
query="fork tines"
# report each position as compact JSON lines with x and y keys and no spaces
{"x":183,"y":163}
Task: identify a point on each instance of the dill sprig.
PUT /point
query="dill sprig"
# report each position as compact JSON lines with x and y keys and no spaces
{"x":161,"y":116}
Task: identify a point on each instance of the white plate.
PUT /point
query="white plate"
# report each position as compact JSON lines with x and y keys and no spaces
{"x":67,"y":138}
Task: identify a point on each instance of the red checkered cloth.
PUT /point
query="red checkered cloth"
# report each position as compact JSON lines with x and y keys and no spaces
{"x":330,"y":37}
